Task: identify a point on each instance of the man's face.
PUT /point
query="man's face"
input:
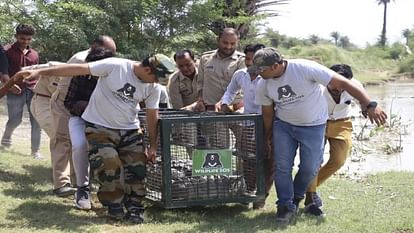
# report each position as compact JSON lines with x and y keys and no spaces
{"x":335,"y":91}
{"x":23,"y":40}
{"x":186,"y":65}
{"x":248,"y":59}
{"x":227,"y":44}
{"x":268,"y":72}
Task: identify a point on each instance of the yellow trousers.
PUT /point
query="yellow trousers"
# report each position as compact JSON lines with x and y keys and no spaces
{"x":339,"y":136}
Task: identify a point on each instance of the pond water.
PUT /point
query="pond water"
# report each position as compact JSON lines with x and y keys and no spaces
{"x":396,"y":98}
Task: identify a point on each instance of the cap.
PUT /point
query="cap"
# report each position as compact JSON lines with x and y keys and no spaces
{"x":162,"y":65}
{"x":264,"y":58}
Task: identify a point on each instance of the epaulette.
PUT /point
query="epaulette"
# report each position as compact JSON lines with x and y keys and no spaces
{"x":209,"y":52}
{"x":240,"y":54}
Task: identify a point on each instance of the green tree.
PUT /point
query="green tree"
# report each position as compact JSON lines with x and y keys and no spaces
{"x":335,"y":35}
{"x":344,"y":42}
{"x":383,"y":36}
{"x":314,"y":39}
{"x":406,"y":33}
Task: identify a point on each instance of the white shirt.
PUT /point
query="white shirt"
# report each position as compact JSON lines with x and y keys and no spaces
{"x":115,"y":101}
{"x":297,"y":95}
{"x":241,"y":80}
{"x":343,"y":109}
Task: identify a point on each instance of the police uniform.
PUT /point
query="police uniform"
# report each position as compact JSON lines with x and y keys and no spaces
{"x":182,"y":89}
{"x":215,"y":73}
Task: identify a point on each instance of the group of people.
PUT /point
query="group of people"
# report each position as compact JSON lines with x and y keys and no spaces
{"x":92,"y":117}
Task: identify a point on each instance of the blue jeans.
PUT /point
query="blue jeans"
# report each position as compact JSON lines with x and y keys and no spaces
{"x":15,"y":105}
{"x":286,"y":140}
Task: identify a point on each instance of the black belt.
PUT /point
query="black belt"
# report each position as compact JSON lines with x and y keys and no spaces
{"x":43,"y":95}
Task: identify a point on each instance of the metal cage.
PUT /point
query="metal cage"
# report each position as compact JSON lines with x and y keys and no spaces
{"x":206,"y":158}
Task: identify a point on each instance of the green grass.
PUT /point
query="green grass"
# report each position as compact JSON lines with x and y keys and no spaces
{"x":379,"y":203}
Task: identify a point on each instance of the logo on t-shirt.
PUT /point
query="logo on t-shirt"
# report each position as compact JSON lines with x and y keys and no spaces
{"x":285,"y":92}
{"x":126,"y":93}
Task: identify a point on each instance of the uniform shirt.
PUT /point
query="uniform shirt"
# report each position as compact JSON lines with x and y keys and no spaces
{"x":46,"y":85}
{"x":214,"y":74}
{"x":241,"y":81}
{"x":64,"y":82}
{"x":297,"y":95}
{"x":115,"y":101}
{"x":343,"y":109}
{"x":4,"y":64}
{"x":17,"y":59}
{"x":182,"y":89}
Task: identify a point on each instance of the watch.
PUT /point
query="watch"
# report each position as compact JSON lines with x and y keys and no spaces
{"x":372,"y":104}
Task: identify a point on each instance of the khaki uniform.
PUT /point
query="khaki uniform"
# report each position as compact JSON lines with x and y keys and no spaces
{"x":60,"y":118}
{"x":182,"y":89}
{"x":40,"y":106}
{"x":215,"y":73}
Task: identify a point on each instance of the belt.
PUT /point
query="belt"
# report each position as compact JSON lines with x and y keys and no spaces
{"x":42,"y":95}
{"x":210,"y":107}
{"x":342,"y":119}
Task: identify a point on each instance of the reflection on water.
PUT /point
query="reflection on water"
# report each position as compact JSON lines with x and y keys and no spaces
{"x":396,"y":98}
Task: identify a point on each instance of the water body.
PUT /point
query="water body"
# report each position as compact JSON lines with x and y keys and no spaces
{"x":396,"y":98}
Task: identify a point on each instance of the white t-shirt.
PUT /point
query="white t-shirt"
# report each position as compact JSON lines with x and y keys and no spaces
{"x":343,"y":109}
{"x":297,"y":95}
{"x":115,"y":101}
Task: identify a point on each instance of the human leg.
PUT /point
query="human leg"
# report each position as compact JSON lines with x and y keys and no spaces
{"x":35,"y":127}
{"x":15,"y":104}
{"x":134,"y":160}
{"x":80,"y":161}
{"x":106,"y":167}
{"x":284,"y":150}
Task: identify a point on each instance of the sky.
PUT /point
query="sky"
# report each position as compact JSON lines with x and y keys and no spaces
{"x":360,"y":20}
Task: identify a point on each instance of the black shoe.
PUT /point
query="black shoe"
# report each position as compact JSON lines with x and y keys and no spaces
{"x":284,"y":215}
{"x":314,"y":210}
{"x":259,"y":205}
{"x":296,"y":202}
{"x":135,"y":213}
{"x":64,"y":191}
{"x":116,"y":211}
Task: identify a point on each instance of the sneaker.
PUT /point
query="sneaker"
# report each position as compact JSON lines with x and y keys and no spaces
{"x":296,"y":202}
{"x":314,"y":210}
{"x":37,"y":155}
{"x":135,"y":212}
{"x":64,"y":191}
{"x":82,"y":200}
{"x":6,"y":143}
{"x":115,"y":211}
{"x":284,"y":215}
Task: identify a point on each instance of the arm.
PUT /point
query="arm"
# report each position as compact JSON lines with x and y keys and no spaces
{"x":268,"y":114}
{"x":11,"y":83}
{"x":152,"y":126}
{"x":175,"y":96}
{"x":231,"y":92}
{"x":374,"y":114}
{"x":59,"y":70}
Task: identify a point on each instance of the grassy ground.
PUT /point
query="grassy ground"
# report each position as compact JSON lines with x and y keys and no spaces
{"x":379,"y":203}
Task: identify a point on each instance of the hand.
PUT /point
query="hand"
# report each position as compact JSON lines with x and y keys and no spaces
{"x":15,"y":89}
{"x":200,"y":106}
{"x":151,"y":154}
{"x":377,"y":114}
{"x":268,"y":150}
{"x":29,"y":75}
{"x":225,"y":108}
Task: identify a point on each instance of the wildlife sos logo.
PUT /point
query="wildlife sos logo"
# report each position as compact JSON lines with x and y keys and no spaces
{"x":126,"y":93}
{"x":286,"y":95}
{"x":211,"y":162}
{"x":285,"y":92}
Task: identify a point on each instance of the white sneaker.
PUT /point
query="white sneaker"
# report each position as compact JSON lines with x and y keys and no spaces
{"x":37,"y":155}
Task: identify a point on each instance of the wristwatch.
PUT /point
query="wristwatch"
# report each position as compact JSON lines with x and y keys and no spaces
{"x":372,"y":104}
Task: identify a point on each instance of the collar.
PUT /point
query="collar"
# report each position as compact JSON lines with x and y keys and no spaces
{"x":15,"y":46}
{"x":182,"y":77}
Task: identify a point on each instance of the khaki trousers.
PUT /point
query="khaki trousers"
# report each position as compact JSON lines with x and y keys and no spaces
{"x":339,"y":135}
{"x":61,"y":150}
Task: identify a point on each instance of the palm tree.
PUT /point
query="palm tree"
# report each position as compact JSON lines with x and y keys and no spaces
{"x":336,"y":36}
{"x":406,"y":34}
{"x":383,"y":37}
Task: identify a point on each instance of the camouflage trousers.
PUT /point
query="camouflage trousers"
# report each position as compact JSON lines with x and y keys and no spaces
{"x":118,"y":163}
